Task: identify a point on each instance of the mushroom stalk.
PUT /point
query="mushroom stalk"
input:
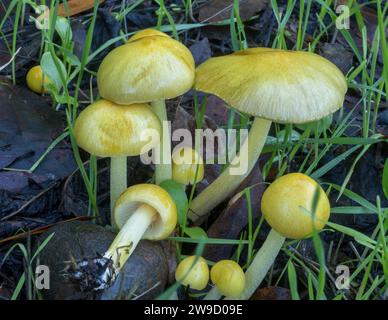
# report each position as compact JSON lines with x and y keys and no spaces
{"x":163,"y":168}
{"x":129,"y":236}
{"x":261,"y":264}
{"x":258,"y":269}
{"x":118,"y":179}
{"x":143,"y":211}
{"x":226,"y":183}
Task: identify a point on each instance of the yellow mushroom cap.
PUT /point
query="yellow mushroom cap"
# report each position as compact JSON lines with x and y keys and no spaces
{"x":196,"y":276}
{"x":147,"y":33}
{"x":229,"y":278}
{"x":185,"y":163}
{"x":106,"y":129}
{"x":278,"y":85}
{"x":154,"y":196}
{"x":36,"y":80}
{"x":288,"y":202}
{"x":150,"y":66}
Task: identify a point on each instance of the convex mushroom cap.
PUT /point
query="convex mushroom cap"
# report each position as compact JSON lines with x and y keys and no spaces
{"x":279,"y":85}
{"x":187,"y":166}
{"x":150,"y":66}
{"x":36,"y":80}
{"x":106,"y":129}
{"x":157,"y":198}
{"x":287,"y":206}
{"x":196,"y":275}
{"x":229,"y":278}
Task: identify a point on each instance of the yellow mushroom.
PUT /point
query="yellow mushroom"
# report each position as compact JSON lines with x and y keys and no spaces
{"x":143,"y":211}
{"x":36,"y":80}
{"x":193,"y":271}
{"x":271,"y":85}
{"x":287,"y":206}
{"x":285,"y":202}
{"x":106,"y":129}
{"x":187,"y":166}
{"x":228,"y":277}
{"x":150,"y":67}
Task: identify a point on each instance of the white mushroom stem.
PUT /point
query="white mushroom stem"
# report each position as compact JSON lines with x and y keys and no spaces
{"x":258,"y":269}
{"x":129,"y":236}
{"x":227,"y":182}
{"x":163,"y":168}
{"x":118,"y":180}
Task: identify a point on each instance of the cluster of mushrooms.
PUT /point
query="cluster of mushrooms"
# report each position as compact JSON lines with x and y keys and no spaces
{"x":272,"y":85}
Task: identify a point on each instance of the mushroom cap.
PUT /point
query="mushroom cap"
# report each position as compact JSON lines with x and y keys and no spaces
{"x":150,"y":66}
{"x":36,"y":80}
{"x":196,"y":276}
{"x":279,"y":85}
{"x":154,"y":196}
{"x":185,"y":162}
{"x":106,"y":129}
{"x":287,"y":203}
{"x":229,"y":278}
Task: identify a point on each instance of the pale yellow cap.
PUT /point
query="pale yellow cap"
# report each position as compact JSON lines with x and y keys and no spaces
{"x":157,"y":198}
{"x":194,"y":275}
{"x":147,"y":33}
{"x":187,"y":166}
{"x":278,"y":85}
{"x":36,"y":80}
{"x":287,"y":206}
{"x":106,"y":129}
{"x":150,"y":66}
{"x":229,"y":278}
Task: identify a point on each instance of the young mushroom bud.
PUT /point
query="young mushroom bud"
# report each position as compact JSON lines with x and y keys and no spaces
{"x":150,"y":67}
{"x":295,"y":206}
{"x":287,"y":206}
{"x":106,"y":129}
{"x":187,"y":166}
{"x":228,"y":277}
{"x":271,"y":85}
{"x":143,"y":211}
{"x":193,"y":272}
{"x":36,"y":80}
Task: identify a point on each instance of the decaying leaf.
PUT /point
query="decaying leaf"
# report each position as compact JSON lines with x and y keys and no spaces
{"x":28,"y":125}
{"x":201,"y":51}
{"x":234,"y":218}
{"x":218,"y":10}
{"x":272,"y":293}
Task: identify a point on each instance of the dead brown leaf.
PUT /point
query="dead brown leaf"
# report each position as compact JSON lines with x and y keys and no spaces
{"x":201,"y":51}
{"x":272,"y":293}
{"x":75,"y":7}
{"x":234,"y":218}
{"x":218,"y":10}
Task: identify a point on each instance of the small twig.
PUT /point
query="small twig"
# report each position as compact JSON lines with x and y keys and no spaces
{"x":148,"y":290}
{"x":28,"y":203}
{"x":10,"y":60}
{"x":359,"y":258}
{"x":335,"y":258}
{"x":40,"y":230}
